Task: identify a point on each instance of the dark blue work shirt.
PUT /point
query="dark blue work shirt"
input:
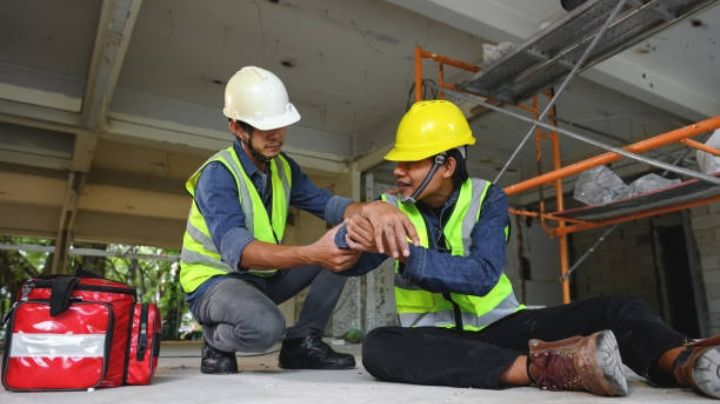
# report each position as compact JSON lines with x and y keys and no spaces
{"x":434,"y":268}
{"x":217,"y":198}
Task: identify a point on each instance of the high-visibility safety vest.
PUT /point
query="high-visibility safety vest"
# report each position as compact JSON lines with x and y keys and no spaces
{"x":200,"y":259}
{"x":417,"y":307}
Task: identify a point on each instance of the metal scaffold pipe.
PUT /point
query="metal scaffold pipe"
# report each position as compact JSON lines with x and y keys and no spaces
{"x":562,"y":87}
{"x":677,"y":135}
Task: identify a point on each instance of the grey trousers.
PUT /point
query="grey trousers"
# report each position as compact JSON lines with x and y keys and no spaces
{"x":239,"y":315}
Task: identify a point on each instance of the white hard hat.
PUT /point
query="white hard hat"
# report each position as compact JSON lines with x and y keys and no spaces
{"x":257,"y":97}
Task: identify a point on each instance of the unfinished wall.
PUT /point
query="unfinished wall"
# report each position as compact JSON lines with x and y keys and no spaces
{"x":623,"y":264}
{"x":537,"y":284}
{"x":667,"y":261}
{"x":705,"y":223}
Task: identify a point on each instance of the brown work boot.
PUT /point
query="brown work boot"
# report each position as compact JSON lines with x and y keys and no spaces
{"x":698,"y":366}
{"x":589,"y":363}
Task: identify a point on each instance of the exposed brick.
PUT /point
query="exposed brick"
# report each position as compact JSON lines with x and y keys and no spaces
{"x":704,"y":235}
{"x":706,"y":222}
{"x":642,"y":240}
{"x":708,"y":245}
{"x":710,"y":262}
{"x":710,"y":277}
{"x":714,"y":208}
{"x":714,"y":305}
{"x":714,"y":319}
{"x":712,"y":291}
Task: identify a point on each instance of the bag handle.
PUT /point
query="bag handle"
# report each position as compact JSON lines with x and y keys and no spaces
{"x":81,"y":273}
{"x":62,"y":287}
{"x":61,"y":290}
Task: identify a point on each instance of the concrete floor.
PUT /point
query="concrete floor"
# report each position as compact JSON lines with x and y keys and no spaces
{"x":178,"y":380}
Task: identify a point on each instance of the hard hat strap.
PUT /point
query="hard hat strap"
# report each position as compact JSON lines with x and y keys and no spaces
{"x":437,"y":162}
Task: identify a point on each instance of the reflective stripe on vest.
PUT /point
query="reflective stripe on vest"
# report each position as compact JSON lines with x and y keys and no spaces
{"x":200,"y":259}
{"x":417,"y":307}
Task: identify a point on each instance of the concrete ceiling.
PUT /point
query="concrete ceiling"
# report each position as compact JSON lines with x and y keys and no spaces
{"x":103,"y":101}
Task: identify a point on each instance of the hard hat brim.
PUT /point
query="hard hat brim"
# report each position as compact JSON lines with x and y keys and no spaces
{"x":420,"y":153}
{"x":279,"y":121}
{"x":410,"y":155}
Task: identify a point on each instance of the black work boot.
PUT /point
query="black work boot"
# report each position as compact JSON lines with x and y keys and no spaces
{"x":217,"y":362}
{"x":311,"y":352}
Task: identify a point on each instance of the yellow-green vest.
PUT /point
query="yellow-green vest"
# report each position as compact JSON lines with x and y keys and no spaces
{"x":200,"y":259}
{"x":417,"y":307}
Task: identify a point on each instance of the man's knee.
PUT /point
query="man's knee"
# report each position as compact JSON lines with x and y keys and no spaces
{"x":621,"y":307}
{"x":262,"y":330}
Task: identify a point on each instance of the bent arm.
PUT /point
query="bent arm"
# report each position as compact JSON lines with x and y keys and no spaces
{"x":479,"y":271}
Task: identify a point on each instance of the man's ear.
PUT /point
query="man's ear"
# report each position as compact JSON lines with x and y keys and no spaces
{"x":236,"y":129}
{"x":449,"y":167}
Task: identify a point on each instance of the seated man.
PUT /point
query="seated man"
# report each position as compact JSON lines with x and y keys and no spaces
{"x":461,"y":323}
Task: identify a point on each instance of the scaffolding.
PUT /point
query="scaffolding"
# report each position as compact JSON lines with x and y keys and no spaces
{"x":598,"y":29}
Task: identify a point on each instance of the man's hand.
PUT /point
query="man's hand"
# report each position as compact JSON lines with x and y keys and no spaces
{"x":360,"y":234}
{"x":325,"y":253}
{"x":390,"y":226}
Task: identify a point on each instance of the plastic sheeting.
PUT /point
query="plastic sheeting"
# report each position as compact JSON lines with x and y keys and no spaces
{"x":708,"y":163}
{"x":649,"y":182}
{"x":599,"y":185}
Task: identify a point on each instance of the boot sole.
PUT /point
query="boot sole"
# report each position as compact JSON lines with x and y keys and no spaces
{"x":296,"y":366}
{"x":706,"y":372}
{"x":211,"y":371}
{"x":608,"y":359}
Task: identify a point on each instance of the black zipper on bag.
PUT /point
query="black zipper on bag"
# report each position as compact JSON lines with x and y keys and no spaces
{"x":142,"y":333}
{"x":126,"y":363}
{"x":89,"y":288}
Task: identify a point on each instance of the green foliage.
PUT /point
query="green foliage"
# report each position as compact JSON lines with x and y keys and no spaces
{"x":156,"y":280}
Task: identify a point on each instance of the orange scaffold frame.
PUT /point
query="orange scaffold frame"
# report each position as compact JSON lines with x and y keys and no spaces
{"x":565,"y":226}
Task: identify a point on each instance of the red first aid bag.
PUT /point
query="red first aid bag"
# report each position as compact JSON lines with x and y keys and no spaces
{"x":76,"y":332}
{"x":144,"y":344}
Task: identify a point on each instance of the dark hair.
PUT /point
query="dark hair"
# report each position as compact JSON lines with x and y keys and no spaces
{"x":245,"y":126}
{"x":460,"y":174}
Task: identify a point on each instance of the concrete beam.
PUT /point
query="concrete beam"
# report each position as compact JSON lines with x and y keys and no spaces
{"x":122,"y":229}
{"x":63,"y":238}
{"x":22,"y":188}
{"x":146,"y":132}
{"x":123,"y":127}
{"x":134,"y":202}
{"x":31,"y":189}
{"x":115,"y":27}
{"x":26,"y":219}
{"x":36,"y":116}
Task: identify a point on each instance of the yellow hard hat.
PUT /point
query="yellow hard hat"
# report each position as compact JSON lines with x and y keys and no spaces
{"x":430,"y":128}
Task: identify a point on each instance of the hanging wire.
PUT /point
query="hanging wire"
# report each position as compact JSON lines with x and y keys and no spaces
{"x":587,"y":253}
{"x":428,"y":87}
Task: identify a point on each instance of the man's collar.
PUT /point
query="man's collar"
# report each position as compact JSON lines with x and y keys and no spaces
{"x":452,"y":199}
{"x":245,"y":160}
{"x":449,"y":202}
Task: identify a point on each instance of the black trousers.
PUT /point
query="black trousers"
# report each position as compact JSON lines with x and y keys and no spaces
{"x":445,"y":357}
